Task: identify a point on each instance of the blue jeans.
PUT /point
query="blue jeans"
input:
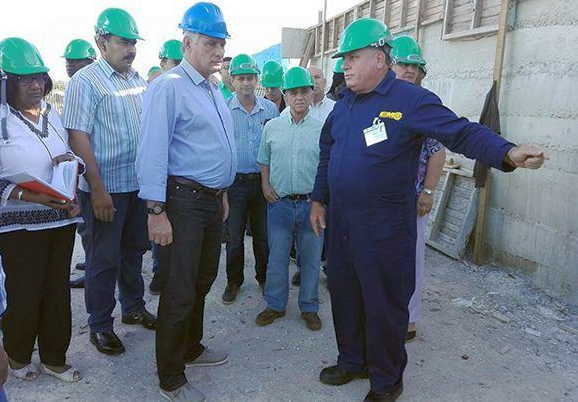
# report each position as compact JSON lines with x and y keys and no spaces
{"x":115,"y":255}
{"x":285,"y":219}
{"x":3,"y":397}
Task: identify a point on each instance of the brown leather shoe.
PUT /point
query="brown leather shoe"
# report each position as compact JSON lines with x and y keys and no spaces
{"x":268,"y":316}
{"x":230,"y":294}
{"x":312,"y":321}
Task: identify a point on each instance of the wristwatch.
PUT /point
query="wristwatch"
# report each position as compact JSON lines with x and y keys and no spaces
{"x":428,"y":191}
{"x":156,"y":210}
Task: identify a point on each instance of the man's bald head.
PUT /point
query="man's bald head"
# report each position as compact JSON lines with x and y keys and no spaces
{"x":320,"y":83}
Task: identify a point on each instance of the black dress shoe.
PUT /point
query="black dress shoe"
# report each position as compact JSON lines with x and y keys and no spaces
{"x":144,"y":318}
{"x":107,"y":342}
{"x":81,"y":266}
{"x":335,"y":375}
{"x":386,"y":397}
{"x":77,"y":283}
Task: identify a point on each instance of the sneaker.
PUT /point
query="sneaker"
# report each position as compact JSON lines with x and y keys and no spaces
{"x":144,"y":318}
{"x":230,"y":294}
{"x":185,"y":393}
{"x":268,"y":316}
{"x":312,"y":321}
{"x":155,"y":286}
{"x":209,"y":357}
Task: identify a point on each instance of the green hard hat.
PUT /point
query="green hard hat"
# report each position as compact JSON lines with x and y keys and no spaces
{"x":338,"y":67}
{"x":79,"y":49}
{"x":406,"y":50}
{"x":243,"y":64}
{"x":153,"y":70}
{"x":18,"y":56}
{"x":362,"y":33}
{"x":272,"y":76}
{"x":116,"y":21}
{"x":297,"y":77}
{"x":172,"y":49}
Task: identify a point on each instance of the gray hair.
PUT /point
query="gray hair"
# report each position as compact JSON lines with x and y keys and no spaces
{"x":194,"y":36}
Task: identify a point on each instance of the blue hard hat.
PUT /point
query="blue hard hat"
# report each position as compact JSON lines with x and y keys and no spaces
{"x":206,"y":19}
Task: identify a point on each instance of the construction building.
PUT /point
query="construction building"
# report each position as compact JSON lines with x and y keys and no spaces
{"x":531,"y":217}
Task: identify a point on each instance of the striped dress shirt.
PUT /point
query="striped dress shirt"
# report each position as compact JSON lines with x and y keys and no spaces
{"x":248,"y":130}
{"x":106,"y":105}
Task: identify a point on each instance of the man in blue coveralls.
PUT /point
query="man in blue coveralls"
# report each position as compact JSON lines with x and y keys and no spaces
{"x":369,"y":151}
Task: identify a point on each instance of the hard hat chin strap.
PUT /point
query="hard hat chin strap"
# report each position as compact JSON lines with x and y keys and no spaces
{"x":3,"y":105}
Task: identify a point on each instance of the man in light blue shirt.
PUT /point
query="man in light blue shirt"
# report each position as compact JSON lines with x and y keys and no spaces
{"x":250,"y":113}
{"x":102,"y":112}
{"x":187,"y":160}
{"x":289,"y":155}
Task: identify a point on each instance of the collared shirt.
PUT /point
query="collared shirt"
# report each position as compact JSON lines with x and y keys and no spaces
{"x":292,"y":153}
{"x":319,"y":111}
{"x":25,"y":151}
{"x":106,"y":105}
{"x":248,"y":130}
{"x":187,"y":131}
{"x":225,"y":91}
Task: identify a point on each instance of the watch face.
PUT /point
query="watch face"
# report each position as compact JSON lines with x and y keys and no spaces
{"x":157,"y":209}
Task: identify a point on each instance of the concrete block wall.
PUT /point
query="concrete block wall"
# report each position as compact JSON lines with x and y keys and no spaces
{"x":533,"y":219}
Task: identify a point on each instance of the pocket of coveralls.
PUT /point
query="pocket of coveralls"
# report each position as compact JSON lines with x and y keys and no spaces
{"x":390,"y":217}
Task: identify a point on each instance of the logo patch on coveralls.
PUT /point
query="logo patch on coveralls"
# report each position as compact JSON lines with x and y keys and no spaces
{"x":391,"y":115}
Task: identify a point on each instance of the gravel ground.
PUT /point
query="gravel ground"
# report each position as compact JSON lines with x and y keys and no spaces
{"x":486,"y":335}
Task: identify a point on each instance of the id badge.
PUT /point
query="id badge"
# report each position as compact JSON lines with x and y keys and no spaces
{"x":376,"y":133}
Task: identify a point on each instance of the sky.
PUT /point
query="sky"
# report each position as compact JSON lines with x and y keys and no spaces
{"x":253,"y":24}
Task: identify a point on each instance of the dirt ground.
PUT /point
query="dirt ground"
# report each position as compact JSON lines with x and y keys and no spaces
{"x":486,"y":335}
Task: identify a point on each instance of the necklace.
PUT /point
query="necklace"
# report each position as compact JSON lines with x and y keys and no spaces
{"x":44,"y":132}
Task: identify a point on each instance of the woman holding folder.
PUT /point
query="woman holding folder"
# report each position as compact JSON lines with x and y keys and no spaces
{"x":36,"y":229}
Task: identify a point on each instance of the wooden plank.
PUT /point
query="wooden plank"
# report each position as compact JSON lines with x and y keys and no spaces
{"x":395,"y":14}
{"x":372,"y":9}
{"x":403,"y":15}
{"x":474,"y":32}
{"x":454,"y":214}
{"x":433,"y":10}
{"x":447,"y":17}
{"x":477,"y":14}
{"x":418,"y":20}
{"x":386,"y":12}
{"x":309,"y":49}
{"x":480,"y":239}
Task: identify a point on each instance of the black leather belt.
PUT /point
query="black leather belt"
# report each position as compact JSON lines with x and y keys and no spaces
{"x":249,"y":176}
{"x":217,"y":192}
{"x":297,"y":197}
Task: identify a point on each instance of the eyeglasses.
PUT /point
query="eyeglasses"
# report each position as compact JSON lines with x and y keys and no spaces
{"x":30,"y":79}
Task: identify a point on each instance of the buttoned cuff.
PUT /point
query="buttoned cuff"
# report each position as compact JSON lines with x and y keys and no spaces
{"x":153,"y":193}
